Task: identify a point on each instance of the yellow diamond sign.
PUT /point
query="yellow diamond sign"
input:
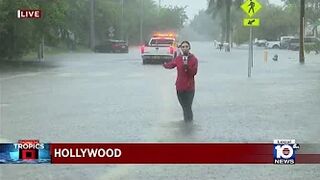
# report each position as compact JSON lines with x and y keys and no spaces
{"x":252,"y":22}
{"x":251,"y":7}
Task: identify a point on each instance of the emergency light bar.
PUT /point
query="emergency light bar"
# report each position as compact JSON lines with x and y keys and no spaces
{"x":172,"y":35}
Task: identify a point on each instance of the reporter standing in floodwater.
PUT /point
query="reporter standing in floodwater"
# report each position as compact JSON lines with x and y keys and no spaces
{"x":187,"y":67}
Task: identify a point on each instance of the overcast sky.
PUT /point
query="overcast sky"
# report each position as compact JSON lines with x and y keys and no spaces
{"x":194,"y":6}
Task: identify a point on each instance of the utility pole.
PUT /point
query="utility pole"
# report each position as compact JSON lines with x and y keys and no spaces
{"x":141,"y":21}
{"x":302,"y":20}
{"x":92,"y":29}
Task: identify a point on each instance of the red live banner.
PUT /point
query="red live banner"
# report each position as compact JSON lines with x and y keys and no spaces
{"x":162,"y":153}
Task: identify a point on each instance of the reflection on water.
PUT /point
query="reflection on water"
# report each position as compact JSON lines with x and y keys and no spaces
{"x":25,"y":66}
{"x":180,"y":131}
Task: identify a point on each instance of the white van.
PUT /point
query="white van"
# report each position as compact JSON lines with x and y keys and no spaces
{"x":284,"y":41}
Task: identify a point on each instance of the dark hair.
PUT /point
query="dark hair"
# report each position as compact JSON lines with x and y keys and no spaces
{"x":187,"y":42}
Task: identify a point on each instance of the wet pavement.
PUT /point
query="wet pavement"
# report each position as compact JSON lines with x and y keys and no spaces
{"x":87,"y":97}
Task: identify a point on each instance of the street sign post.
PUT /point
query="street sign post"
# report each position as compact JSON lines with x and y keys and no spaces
{"x":251,"y":7}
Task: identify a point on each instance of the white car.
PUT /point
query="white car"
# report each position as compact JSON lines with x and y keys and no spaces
{"x":260,"y":42}
{"x":273,"y":44}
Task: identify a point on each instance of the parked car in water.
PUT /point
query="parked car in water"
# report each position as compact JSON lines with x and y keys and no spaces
{"x":261,"y":42}
{"x":294,"y":43}
{"x":284,"y":41}
{"x":273,"y":44}
{"x":112,"y":46}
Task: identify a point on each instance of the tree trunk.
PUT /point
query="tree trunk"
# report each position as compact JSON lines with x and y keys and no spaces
{"x":223,"y":32}
{"x":231,"y":36}
{"x":92,"y":24}
{"x":302,"y":20}
{"x":228,"y":21}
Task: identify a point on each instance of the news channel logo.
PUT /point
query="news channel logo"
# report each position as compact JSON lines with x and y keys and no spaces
{"x":284,"y":151}
{"x":25,"y":152}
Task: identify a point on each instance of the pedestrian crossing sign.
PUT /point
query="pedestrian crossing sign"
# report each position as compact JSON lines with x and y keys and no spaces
{"x":251,"y":22}
{"x":251,"y":7}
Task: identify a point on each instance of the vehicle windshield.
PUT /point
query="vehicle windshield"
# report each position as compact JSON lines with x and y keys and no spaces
{"x":286,"y":39}
{"x":294,"y":41}
{"x":161,"y":42}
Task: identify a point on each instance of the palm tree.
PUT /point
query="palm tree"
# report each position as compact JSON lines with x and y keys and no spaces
{"x":216,"y":7}
{"x":313,"y":15}
{"x":312,"y":12}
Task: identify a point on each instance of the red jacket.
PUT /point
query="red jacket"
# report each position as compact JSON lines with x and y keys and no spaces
{"x":185,"y":76}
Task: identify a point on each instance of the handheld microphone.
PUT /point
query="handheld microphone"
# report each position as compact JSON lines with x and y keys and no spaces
{"x":185,"y":60}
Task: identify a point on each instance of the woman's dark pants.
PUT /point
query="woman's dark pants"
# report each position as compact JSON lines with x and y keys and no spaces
{"x":185,"y":99}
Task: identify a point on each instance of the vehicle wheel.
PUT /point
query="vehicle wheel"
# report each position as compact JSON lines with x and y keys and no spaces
{"x":275,"y":47}
{"x":144,"y":61}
